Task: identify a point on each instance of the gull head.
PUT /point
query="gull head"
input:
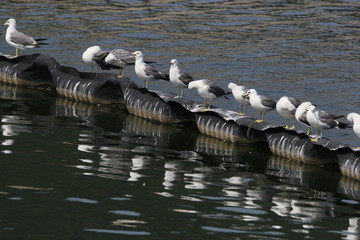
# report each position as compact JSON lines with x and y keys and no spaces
{"x":10,"y":21}
{"x":89,"y":54}
{"x":303,"y":106}
{"x":173,"y":62}
{"x":93,"y":49}
{"x":352,"y":117}
{"x":232,"y":85}
{"x":196,"y":84}
{"x":250,"y":92}
{"x":193,"y":85}
{"x":311,"y":108}
{"x":138,"y":54}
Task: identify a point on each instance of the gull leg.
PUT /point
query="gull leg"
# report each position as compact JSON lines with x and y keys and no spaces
{"x":97,"y":71}
{"x":146,"y":83}
{"x":207,"y":108}
{"x":261,"y":117}
{"x":293,"y":125}
{"x":205,"y":103}
{"x":287,"y":124}
{"x":318,"y":136}
{"x":121,"y":73}
{"x":242,"y":113}
{"x":308,"y":131}
{"x":17,"y":52}
{"x":209,"y":103}
{"x":181,"y":92}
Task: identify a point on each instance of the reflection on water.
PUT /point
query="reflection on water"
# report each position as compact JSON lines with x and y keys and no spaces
{"x":114,"y":175}
{"x":351,"y":233}
{"x":240,"y":190}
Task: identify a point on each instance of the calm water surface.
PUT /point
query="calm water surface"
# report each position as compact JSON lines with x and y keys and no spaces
{"x":75,"y":171}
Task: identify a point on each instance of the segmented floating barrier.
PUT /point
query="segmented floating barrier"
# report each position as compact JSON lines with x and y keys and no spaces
{"x":103,"y":88}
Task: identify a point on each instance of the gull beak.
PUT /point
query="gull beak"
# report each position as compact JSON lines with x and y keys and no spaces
{"x":245,"y":95}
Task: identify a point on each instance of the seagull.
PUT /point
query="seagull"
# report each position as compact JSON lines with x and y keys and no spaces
{"x":208,"y":90}
{"x":18,"y":39}
{"x":120,"y":58}
{"x":145,"y":71}
{"x":355,"y":119}
{"x":89,"y":54}
{"x":238,"y":92}
{"x":300,"y":115}
{"x":260,"y":103}
{"x":286,"y":107}
{"x":95,"y":56}
{"x":179,"y":78}
{"x":320,"y":120}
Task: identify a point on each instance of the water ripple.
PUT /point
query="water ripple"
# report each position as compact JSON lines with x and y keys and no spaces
{"x":119,"y":232}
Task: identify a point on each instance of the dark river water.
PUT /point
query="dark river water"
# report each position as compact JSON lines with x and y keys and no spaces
{"x":70,"y":170}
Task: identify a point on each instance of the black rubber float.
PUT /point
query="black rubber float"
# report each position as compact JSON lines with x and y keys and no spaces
{"x":28,"y":70}
{"x":104,"y":88}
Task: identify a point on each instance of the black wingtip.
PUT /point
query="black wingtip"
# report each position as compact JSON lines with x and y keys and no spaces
{"x":166,"y":77}
{"x":41,"y":44}
{"x":40,"y":39}
{"x":343,"y":125}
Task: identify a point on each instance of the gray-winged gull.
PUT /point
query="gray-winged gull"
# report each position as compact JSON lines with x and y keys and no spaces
{"x":179,"y":78}
{"x":208,"y":90}
{"x":286,"y":107}
{"x":238,"y":92}
{"x":320,"y":120}
{"x":145,"y":71}
{"x":18,"y":39}
{"x":260,"y":103}
{"x":120,"y":58}
{"x":95,"y":56}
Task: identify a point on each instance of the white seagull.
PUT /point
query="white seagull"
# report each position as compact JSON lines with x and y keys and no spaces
{"x":18,"y":39}
{"x":89,"y":54}
{"x":238,"y":92}
{"x":320,"y":120}
{"x":179,"y":78}
{"x":286,"y":107}
{"x":260,"y":103}
{"x":145,"y":71}
{"x":208,"y":90}
{"x":95,"y":56}
{"x":354,"y":118}
{"x":300,"y":115}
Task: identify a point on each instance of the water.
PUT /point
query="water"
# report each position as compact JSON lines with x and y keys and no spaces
{"x":75,"y":171}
